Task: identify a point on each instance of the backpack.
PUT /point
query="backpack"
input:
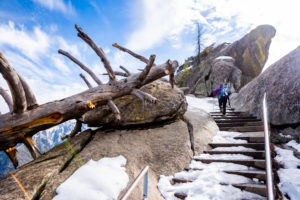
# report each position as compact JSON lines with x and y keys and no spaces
{"x":224,"y":91}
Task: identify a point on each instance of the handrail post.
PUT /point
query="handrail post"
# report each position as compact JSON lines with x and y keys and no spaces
{"x":145,"y":194}
{"x":270,"y":185}
{"x":144,"y":173}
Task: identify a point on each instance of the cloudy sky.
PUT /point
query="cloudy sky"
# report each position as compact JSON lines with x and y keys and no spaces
{"x":31,"y":32}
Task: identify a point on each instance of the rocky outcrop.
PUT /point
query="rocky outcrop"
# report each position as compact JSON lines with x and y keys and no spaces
{"x":224,"y":70}
{"x":166,"y":148}
{"x":281,"y":83}
{"x":249,"y":53}
{"x":171,"y":103}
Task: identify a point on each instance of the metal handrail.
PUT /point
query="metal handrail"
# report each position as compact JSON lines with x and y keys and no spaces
{"x":134,"y":184}
{"x":270,"y":183}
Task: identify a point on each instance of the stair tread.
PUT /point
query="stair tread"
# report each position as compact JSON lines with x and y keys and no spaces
{"x":250,"y":185}
{"x":262,"y":172}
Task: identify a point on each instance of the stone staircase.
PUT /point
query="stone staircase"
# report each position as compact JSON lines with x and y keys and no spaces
{"x":252,"y":131}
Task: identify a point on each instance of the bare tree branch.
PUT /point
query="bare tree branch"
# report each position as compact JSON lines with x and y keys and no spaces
{"x":7,"y":99}
{"x":15,"y":85}
{"x":141,"y":58}
{"x":115,"y":109}
{"x":145,"y":72}
{"x":12,"y":154}
{"x":144,"y":96}
{"x":82,"y":66}
{"x":34,"y":151}
{"x":76,"y":130}
{"x":30,"y":97}
{"x":86,"y":81}
{"x":125,"y":70}
{"x":117,"y":73}
{"x":98,"y":51}
{"x":172,"y":79}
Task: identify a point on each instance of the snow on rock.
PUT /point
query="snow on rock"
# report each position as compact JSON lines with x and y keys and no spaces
{"x":227,"y":137}
{"x":238,"y":148}
{"x":294,"y":144}
{"x":224,"y":156}
{"x":208,"y":104}
{"x":229,"y":58}
{"x":103,"y":179}
{"x":289,"y":175}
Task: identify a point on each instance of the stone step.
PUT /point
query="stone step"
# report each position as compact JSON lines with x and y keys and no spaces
{"x":179,"y":180}
{"x":234,"y":124}
{"x":259,"y":189}
{"x":243,"y":128}
{"x":259,"y":174}
{"x":254,"y":154}
{"x":258,"y":163}
{"x":228,"y":120}
{"x":180,"y":195}
{"x":251,"y":139}
{"x":218,"y":117}
{"x":229,"y":112}
{"x":257,"y":146}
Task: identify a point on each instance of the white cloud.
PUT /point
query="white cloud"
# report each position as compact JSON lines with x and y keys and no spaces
{"x":163,"y":20}
{"x":58,"y":5}
{"x":223,"y":21}
{"x":30,"y":44}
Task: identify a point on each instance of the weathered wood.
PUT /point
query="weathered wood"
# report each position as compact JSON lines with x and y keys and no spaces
{"x":31,"y":146}
{"x":117,"y":73}
{"x":141,"y":58}
{"x":82,"y":66}
{"x":76,"y":130}
{"x":115,"y":109}
{"x":12,"y":154}
{"x":86,"y":81}
{"x":98,"y":51}
{"x":15,"y":85}
{"x":30,"y":97}
{"x":147,"y":68}
{"x":14,"y":128}
{"x":125,"y":70}
{"x":144,"y":96}
{"x":7,"y":99}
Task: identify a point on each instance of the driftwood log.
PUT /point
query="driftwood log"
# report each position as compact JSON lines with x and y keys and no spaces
{"x":26,"y":117}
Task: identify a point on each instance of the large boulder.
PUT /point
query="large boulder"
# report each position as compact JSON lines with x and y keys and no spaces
{"x":281,"y":83}
{"x":171,"y":103}
{"x":224,"y":70}
{"x":165,"y":148}
{"x":249,"y":53}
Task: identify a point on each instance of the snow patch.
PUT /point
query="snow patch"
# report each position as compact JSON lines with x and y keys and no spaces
{"x":103,"y":179}
{"x":208,"y":104}
{"x":294,"y":144}
{"x":289,"y":175}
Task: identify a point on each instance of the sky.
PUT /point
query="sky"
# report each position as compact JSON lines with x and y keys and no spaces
{"x":31,"y":32}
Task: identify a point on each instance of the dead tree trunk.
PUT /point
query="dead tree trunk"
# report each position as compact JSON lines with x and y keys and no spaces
{"x":24,"y":122}
{"x":7,"y":99}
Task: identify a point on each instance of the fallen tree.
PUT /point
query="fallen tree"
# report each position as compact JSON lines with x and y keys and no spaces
{"x":26,"y":117}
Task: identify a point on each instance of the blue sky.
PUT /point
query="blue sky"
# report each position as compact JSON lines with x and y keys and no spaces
{"x":31,"y":32}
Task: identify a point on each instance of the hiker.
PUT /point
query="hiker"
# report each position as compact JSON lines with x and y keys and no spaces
{"x":223,"y":93}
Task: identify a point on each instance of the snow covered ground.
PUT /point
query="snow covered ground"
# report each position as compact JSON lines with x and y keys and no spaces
{"x":289,"y":175}
{"x":103,"y":179}
{"x":211,"y":182}
{"x":208,"y":104}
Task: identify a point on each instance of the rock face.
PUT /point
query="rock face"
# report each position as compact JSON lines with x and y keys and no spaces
{"x":224,"y":70}
{"x":166,"y":148}
{"x":171,"y":103}
{"x":281,"y":83}
{"x":249,"y":53}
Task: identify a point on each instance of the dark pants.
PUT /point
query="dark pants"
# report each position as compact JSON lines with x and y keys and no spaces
{"x":222,"y":104}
